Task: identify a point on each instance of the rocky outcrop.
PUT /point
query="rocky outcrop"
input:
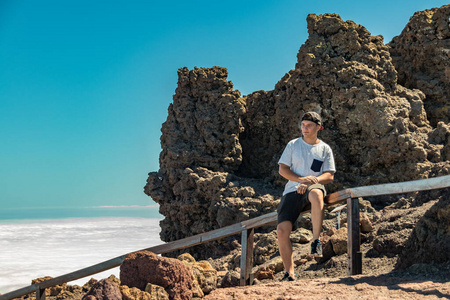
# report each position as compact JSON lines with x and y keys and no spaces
{"x":220,"y":150}
{"x":421,"y":55}
{"x":143,"y":267}
{"x":377,"y":129}
{"x":201,"y":154}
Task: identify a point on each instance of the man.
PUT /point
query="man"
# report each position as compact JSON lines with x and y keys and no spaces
{"x":308,"y":164}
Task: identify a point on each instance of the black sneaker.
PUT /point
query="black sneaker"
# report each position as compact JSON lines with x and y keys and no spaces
{"x":287,"y":277}
{"x":316,"y":248}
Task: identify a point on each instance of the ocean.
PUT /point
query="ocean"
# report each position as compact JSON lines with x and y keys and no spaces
{"x":52,"y":242}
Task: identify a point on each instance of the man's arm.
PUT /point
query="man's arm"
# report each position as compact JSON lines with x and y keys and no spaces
{"x":326,"y":177}
{"x":287,"y":173}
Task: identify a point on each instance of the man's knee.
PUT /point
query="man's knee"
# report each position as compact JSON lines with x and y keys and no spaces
{"x":315,"y":195}
{"x":284,"y":229}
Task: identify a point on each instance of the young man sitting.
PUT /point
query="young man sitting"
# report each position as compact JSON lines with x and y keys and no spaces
{"x":308,"y":164}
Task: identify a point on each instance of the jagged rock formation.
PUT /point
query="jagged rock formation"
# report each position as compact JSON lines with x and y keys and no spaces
{"x":196,"y":186}
{"x":378,"y":130}
{"x":220,"y":151}
{"x":421,"y":55}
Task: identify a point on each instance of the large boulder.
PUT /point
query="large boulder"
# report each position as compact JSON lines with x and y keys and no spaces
{"x":421,"y":55}
{"x":143,"y":267}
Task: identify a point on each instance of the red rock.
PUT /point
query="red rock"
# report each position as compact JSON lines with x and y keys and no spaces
{"x":105,"y":289}
{"x":142,"y":267}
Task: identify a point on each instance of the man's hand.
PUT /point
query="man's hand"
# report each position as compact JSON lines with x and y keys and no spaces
{"x":308,"y":180}
{"x":301,"y":188}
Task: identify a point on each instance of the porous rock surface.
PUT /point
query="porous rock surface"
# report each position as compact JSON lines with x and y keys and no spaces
{"x":105,"y":289}
{"x":421,"y":55}
{"x":196,"y":186}
{"x":62,"y":291}
{"x":152,"y":292}
{"x":143,"y":267}
{"x":430,"y":238}
{"x":219,"y":166}
{"x":205,"y":275}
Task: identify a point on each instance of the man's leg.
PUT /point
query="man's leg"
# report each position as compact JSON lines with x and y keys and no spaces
{"x":315,"y":197}
{"x":284,"y":244}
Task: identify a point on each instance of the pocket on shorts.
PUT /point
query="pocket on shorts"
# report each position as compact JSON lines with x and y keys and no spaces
{"x":316,"y":165}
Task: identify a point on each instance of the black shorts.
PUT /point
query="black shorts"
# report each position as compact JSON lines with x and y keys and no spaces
{"x":293,"y":204}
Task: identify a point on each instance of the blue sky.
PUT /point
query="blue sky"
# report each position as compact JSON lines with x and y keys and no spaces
{"x":85,"y":85}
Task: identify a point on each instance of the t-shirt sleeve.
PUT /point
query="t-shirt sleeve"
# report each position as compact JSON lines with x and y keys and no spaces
{"x":328,"y":164}
{"x":286,"y":157}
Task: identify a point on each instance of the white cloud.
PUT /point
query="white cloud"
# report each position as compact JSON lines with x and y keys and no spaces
{"x":35,"y":249}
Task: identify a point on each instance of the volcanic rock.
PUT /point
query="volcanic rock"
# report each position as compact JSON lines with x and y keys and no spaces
{"x":142,"y":267}
{"x":105,"y":289}
{"x":421,"y":56}
{"x":265,"y":273}
{"x":204,"y":274}
{"x":339,"y":241}
{"x":231,"y":278}
{"x":220,"y":150}
{"x":265,"y":246}
{"x":301,"y":235}
{"x":157,"y":292}
{"x":429,"y":241}
{"x":61,"y":291}
{"x":152,"y":292}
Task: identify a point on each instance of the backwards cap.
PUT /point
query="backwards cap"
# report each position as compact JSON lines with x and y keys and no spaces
{"x":313,"y":117}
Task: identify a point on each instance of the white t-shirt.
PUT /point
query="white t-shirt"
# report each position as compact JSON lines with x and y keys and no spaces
{"x":306,"y":160}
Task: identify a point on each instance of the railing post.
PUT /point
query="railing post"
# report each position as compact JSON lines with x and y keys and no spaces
{"x":40,"y":294}
{"x":353,"y":244}
{"x":247,"y":238}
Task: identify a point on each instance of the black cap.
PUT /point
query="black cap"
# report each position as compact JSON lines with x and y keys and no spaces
{"x":313,"y":117}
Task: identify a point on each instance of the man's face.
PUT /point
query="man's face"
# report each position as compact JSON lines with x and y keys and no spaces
{"x":309,"y":128}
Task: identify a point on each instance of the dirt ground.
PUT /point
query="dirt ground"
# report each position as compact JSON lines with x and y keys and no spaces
{"x":329,"y":280}
{"x":355,"y":287}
